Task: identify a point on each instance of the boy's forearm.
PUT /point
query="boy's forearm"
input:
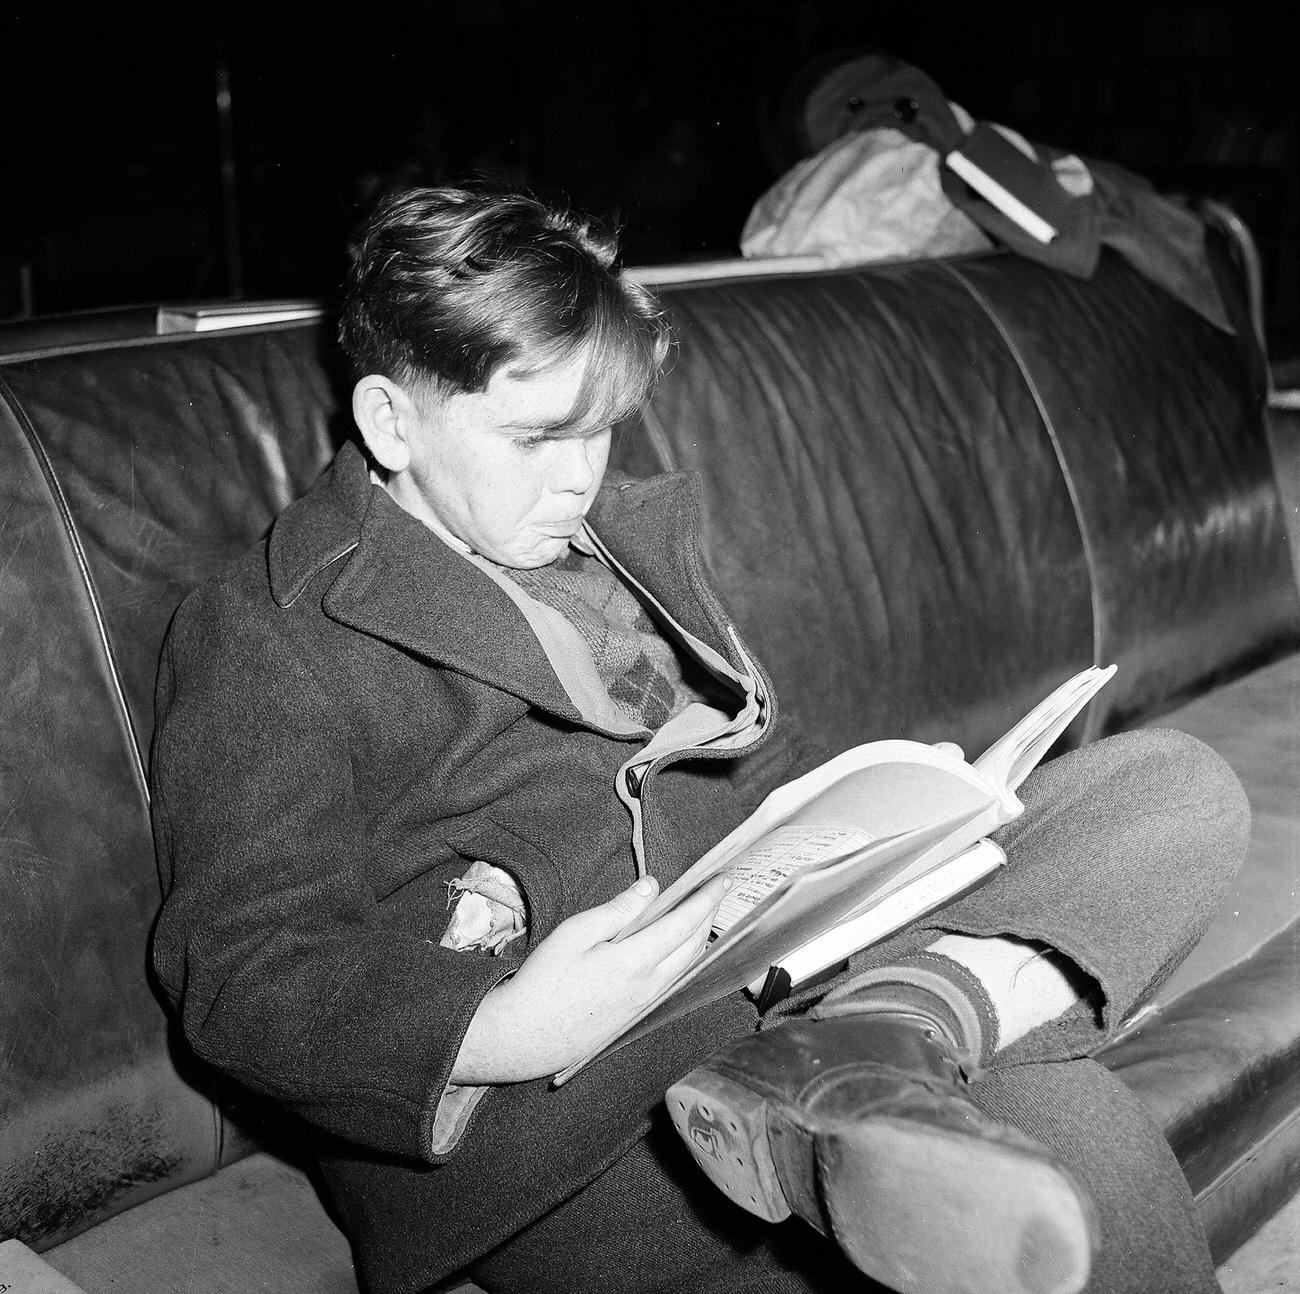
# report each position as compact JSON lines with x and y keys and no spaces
{"x":496,"y":1047}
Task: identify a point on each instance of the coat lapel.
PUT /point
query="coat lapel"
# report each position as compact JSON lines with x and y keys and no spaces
{"x":653,"y":528}
{"x":396,"y":581}
{"x":404,"y":585}
{"x":399,"y":582}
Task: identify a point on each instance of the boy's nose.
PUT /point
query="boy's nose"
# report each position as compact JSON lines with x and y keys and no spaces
{"x":577,"y":468}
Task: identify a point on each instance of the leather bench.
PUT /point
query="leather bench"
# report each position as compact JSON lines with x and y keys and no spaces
{"x":931,"y":491}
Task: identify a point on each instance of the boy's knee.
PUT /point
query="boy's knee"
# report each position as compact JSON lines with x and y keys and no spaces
{"x":1193,"y":780}
{"x":1199,"y":772}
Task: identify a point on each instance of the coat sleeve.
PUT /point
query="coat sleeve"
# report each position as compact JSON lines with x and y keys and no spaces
{"x":270,"y":942}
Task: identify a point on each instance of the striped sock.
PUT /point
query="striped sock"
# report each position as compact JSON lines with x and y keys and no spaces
{"x":931,"y":987}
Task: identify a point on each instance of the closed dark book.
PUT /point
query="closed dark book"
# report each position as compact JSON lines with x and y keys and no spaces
{"x":1024,"y":190}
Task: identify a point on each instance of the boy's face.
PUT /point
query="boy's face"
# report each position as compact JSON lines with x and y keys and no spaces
{"x":502,"y":470}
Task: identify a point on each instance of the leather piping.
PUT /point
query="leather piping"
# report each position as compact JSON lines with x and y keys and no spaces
{"x":209,"y":1086}
{"x":59,"y":349}
{"x":658,"y":439}
{"x":74,"y":539}
{"x":1090,"y":722}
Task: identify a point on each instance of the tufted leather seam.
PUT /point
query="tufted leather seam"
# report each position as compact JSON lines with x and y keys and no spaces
{"x":74,"y":539}
{"x":64,"y":512}
{"x":1090,"y":720}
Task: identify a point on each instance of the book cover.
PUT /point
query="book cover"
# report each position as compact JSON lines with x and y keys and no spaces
{"x":826,"y":954}
{"x":232,"y":314}
{"x":1023,"y":189}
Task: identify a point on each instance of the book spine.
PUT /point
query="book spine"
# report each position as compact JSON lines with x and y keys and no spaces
{"x":1002,"y":198}
{"x":942,"y":886}
{"x":776,"y":988}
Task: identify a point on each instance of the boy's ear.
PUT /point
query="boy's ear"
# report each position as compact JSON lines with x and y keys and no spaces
{"x":385,"y":416}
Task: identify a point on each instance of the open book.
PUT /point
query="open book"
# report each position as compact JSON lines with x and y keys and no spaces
{"x":825,"y":954}
{"x":868,"y":832}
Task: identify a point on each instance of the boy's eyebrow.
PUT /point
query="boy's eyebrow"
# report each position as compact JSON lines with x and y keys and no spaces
{"x":555,"y":426}
{"x":540,"y":424}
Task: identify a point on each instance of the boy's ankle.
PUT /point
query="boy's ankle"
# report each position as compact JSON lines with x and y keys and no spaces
{"x":931,"y":989}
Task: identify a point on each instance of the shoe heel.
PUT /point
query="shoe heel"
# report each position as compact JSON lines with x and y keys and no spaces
{"x":724,"y":1125}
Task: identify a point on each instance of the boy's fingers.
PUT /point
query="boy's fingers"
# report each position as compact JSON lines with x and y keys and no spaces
{"x":679,"y":928}
{"x":606,"y":919}
{"x":685,"y":953}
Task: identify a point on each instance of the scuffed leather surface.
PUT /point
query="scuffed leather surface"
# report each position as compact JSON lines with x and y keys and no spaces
{"x":175,"y":456}
{"x":108,"y":1134}
{"x":983,"y":475}
{"x":1220,"y":1072}
{"x":90,"y":1104}
{"x":882,"y":510}
{"x":1160,"y":427}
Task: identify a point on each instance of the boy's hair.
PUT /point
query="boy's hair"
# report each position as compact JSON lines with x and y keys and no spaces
{"x":448,"y":285}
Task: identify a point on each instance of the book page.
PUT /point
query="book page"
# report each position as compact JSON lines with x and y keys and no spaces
{"x":781,"y":853}
{"x":865,"y":805}
{"x":1014,"y":756}
{"x":895,"y":792}
{"x":881,"y":788}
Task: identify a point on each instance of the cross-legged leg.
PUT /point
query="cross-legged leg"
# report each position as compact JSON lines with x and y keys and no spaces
{"x":1150,"y":1234}
{"x":862,"y":1116}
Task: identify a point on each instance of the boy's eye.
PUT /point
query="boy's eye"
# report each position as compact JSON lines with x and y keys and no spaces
{"x":536,"y":439}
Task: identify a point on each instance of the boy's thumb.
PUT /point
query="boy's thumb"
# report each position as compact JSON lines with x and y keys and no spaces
{"x":634,"y":900}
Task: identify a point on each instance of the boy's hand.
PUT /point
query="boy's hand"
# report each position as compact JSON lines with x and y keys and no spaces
{"x":576,"y":987}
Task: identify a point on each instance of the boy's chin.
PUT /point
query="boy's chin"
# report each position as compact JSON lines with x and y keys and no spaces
{"x":530,"y":559}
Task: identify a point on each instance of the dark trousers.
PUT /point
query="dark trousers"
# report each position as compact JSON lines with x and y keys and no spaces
{"x":1121,"y":858}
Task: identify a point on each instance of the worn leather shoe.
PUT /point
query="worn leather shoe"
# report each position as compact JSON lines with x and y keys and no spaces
{"x":862,"y":1127}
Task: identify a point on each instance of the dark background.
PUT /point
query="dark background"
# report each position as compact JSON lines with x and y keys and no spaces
{"x":656,"y":115}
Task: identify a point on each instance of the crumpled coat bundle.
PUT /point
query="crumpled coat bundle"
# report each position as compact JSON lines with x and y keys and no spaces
{"x":875,"y":189}
{"x":873,"y":195}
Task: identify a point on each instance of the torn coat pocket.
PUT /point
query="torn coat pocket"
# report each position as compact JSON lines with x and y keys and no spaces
{"x":490,"y":911}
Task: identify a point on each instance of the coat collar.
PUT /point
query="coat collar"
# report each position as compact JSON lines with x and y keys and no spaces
{"x":399,"y":582}
{"x":319,"y":528}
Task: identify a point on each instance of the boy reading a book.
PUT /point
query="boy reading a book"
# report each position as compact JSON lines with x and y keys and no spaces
{"x":469,"y":663}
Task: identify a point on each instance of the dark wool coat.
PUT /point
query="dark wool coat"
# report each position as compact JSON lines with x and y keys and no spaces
{"x":347,"y":717}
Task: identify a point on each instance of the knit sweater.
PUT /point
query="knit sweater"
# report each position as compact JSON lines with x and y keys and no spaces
{"x":643,"y":673}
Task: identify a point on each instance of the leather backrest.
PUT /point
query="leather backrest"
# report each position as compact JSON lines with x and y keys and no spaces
{"x":935,"y":489}
{"x":1158,"y":420}
{"x":882,"y":507}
